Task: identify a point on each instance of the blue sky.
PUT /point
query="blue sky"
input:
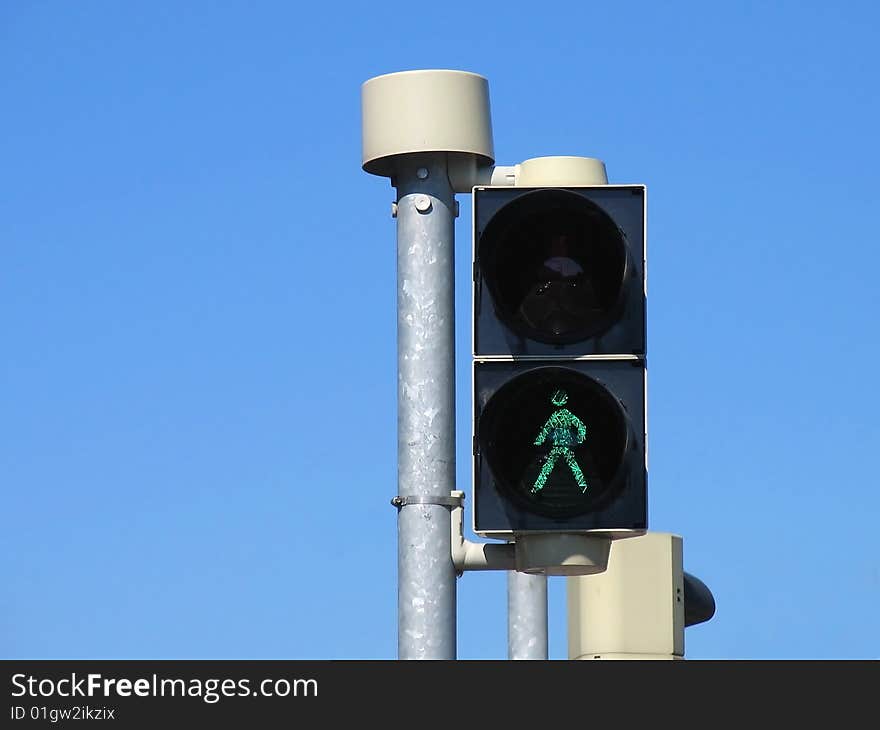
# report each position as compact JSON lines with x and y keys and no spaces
{"x":197,"y":306}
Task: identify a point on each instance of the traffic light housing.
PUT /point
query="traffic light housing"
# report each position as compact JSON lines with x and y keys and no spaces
{"x":559,"y":369}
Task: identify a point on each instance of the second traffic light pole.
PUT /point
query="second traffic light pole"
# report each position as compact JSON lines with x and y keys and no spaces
{"x":527,"y":594}
{"x":526,"y":616}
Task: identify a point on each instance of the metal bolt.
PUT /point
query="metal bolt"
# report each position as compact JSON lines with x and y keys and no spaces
{"x":422,"y":173}
{"x":423,"y":203}
{"x":393,"y":210}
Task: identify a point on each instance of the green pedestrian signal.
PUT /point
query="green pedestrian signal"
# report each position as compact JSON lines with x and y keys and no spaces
{"x":553,"y":443}
{"x":565,"y":430}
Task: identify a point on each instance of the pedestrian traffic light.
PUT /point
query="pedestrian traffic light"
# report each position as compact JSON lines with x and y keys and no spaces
{"x":559,"y":368}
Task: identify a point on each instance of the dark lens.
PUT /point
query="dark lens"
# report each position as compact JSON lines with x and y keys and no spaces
{"x":555,"y":264}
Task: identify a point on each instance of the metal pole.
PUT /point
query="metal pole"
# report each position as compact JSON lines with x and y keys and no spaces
{"x":425,"y":212}
{"x":526,"y":616}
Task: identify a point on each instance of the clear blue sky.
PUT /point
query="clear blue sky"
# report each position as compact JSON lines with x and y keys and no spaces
{"x":197,"y":310}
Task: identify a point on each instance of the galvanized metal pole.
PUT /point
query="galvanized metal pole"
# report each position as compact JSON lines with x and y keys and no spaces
{"x":425,"y":210}
{"x":526,"y":616}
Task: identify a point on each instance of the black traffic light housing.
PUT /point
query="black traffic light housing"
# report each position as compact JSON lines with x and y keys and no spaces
{"x":559,"y":371}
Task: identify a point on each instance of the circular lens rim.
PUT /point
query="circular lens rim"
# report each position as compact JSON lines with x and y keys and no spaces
{"x":494,"y":409}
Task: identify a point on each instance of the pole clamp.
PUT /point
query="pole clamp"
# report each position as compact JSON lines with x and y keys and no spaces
{"x":447,"y":501}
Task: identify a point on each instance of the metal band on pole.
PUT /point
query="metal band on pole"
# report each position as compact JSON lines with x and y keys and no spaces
{"x":426,"y":499}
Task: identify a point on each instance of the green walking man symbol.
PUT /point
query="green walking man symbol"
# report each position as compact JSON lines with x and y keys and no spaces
{"x":566,"y":430}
